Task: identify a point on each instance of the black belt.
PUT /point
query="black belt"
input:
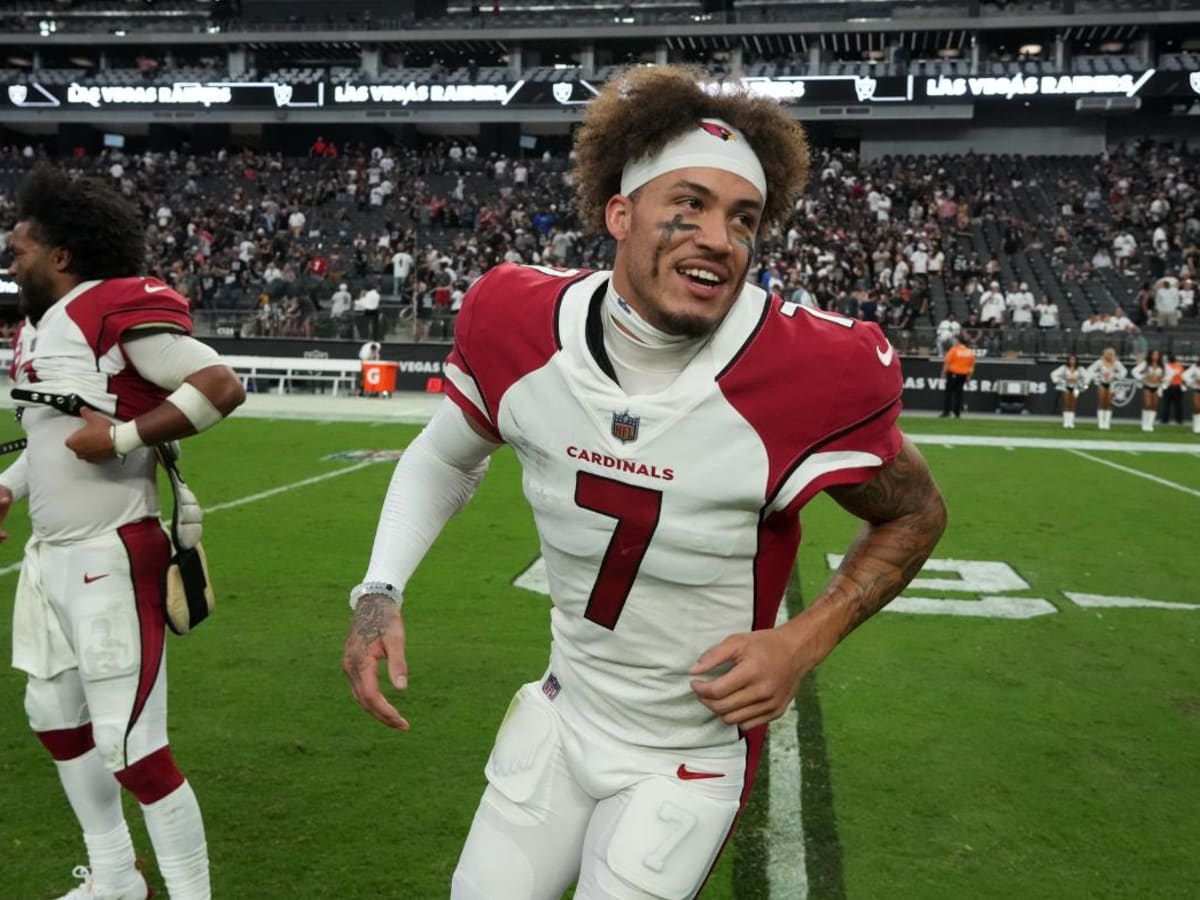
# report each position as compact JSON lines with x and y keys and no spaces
{"x":70,"y":404}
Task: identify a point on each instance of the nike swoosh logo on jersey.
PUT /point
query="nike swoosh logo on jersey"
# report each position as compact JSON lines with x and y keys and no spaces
{"x":151,"y":289}
{"x":88,"y":579}
{"x":885,"y":356}
{"x":688,"y":775}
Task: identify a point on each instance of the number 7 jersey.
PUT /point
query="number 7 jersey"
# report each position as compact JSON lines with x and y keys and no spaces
{"x":667,"y":521}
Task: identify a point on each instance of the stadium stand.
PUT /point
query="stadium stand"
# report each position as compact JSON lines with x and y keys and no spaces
{"x":260,"y":224}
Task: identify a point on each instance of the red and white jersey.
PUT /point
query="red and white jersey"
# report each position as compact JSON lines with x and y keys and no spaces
{"x":76,"y":349}
{"x":667,"y":521}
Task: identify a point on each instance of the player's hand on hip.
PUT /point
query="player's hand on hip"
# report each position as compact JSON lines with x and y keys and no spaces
{"x":93,"y":441}
{"x":376,"y":633}
{"x":761,"y":671}
{"x":6,"y":502}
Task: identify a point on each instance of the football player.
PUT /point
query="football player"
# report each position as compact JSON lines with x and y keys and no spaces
{"x":88,"y":625}
{"x":671,"y":420}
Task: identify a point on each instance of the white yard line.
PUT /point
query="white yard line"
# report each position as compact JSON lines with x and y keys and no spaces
{"x":253,"y":498}
{"x":787,"y":874}
{"x":284,"y":488}
{"x":1139,"y":473}
{"x":976,"y":440}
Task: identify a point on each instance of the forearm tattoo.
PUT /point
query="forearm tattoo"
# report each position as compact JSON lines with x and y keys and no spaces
{"x":371,"y":617}
{"x":905,"y":517}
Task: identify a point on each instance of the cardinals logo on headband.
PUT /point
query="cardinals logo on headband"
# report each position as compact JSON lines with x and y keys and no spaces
{"x":718,"y":132}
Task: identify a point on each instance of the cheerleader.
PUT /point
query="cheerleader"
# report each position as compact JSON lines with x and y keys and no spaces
{"x":1191,"y":380}
{"x":1103,"y":372}
{"x":1071,"y":380}
{"x":1149,"y":373}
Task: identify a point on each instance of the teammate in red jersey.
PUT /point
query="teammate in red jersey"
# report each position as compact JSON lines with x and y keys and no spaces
{"x":88,"y":623}
{"x":671,"y":420}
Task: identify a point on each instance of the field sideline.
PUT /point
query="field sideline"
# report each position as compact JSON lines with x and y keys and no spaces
{"x":1036,"y":749}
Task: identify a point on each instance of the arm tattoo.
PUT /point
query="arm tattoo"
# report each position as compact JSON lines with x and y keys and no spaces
{"x":905,"y":516}
{"x":371,"y":617}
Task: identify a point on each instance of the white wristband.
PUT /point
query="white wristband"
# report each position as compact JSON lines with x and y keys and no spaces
{"x":198,"y":409}
{"x":125,"y":437}
{"x":374,"y":587}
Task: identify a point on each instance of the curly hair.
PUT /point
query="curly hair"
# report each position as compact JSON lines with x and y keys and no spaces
{"x":103,"y":231}
{"x":639,"y":113}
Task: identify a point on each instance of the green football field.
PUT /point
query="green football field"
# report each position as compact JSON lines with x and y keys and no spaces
{"x":991,"y":738}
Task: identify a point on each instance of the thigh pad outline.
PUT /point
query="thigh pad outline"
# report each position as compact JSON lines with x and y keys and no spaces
{"x":668,"y":837}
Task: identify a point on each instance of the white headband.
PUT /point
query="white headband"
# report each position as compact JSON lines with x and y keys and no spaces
{"x":712,"y":143}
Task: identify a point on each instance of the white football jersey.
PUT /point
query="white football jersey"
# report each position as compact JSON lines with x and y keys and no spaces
{"x":667,"y":521}
{"x":76,"y":349}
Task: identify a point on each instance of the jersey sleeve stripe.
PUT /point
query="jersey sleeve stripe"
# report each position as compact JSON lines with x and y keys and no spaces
{"x":148,"y":328}
{"x":866,"y":421}
{"x":812,"y":475}
{"x":462,"y":389}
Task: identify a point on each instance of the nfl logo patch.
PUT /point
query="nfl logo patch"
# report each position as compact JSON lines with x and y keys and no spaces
{"x":625,"y":426}
{"x":551,"y":687}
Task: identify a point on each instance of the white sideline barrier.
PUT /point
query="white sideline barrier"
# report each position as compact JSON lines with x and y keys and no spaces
{"x":287,"y":370}
{"x":338,"y":374}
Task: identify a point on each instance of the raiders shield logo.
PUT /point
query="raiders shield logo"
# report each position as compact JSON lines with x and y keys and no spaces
{"x":1193,"y":80}
{"x":563,"y":91}
{"x":864,"y":87}
{"x":625,"y":427}
{"x":1123,"y":390}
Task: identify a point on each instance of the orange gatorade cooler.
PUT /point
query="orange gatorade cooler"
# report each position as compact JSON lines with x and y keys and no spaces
{"x":379,"y":376}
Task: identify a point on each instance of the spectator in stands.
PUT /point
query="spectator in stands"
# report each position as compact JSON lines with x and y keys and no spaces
{"x":1047,"y":313}
{"x":340,"y":302}
{"x":1167,"y":302}
{"x":1124,"y":246}
{"x":972,"y":331}
{"x":1150,"y":374}
{"x":992,"y":307}
{"x":1172,"y":398}
{"x":296,"y":222}
{"x":1187,"y":297}
{"x":1070,"y":380}
{"x":367,"y":307}
{"x":1019,"y":303}
{"x":402,"y":266}
{"x":1118,"y":322}
{"x":957,"y":369}
{"x":947,"y":330}
{"x":1143,"y":310}
{"x":1104,"y":373}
